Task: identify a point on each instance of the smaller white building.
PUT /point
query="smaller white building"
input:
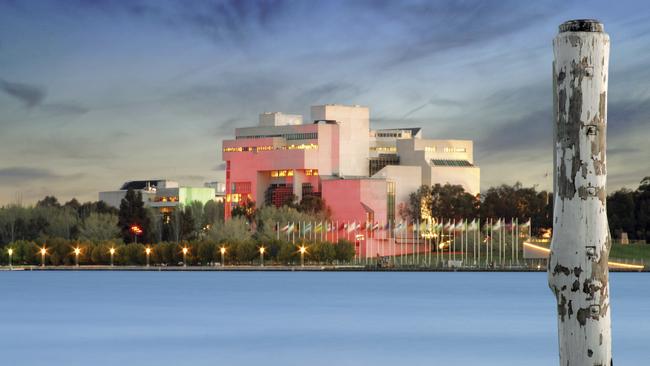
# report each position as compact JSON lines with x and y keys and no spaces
{"x":159,"y":193}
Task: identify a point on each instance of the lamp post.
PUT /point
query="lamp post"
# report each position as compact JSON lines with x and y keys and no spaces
{"x":10,"y":251}
{"x":262,"y":250}
{"x":43,"y":252}
{"x":185,"y":256}
{"x":112,"y":251}
{"x":77,"y":251}
{"x":223,"y":253}
{"x":148,"y":252}
{"x":302,"y":250}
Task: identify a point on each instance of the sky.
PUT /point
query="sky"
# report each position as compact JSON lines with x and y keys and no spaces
{"x":95,"y":93}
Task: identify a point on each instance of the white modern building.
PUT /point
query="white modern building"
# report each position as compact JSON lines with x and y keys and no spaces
{"x":363,"y":175}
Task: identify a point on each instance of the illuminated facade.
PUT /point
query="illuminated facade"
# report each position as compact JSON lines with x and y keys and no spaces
{"x":363,"y":175}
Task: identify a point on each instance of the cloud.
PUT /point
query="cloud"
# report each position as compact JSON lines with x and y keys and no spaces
{"x":21,"y":175}
{"x":30,"y":95}
{"x":438,"y":27}
{"x":217,"y":20}
{"x":64,"y":109}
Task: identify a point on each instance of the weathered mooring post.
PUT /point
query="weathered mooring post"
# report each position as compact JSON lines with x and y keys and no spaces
{"x":577,"y":266}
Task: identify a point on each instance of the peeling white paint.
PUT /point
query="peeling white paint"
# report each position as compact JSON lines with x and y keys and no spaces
{"x":578,"y":273}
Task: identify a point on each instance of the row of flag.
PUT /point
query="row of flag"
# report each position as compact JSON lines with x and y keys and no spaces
{"x":449,"y":225}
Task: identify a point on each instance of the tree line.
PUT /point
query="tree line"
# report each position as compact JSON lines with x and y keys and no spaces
{"x":628,"y":211}
{"x":96,"y":222}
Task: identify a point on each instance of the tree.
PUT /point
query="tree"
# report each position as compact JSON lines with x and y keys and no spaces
{"x":519,"y":202}
{"x":322,"y":252}
{"x":643,"y":210}
{"x":48,"y":201}
{"x":344,"y":250}
{"x":245,"y":209}
{"x":235,"y":230}
{"x":311,"y":204}
{"x":99,"y":227}
{"x":444,"y":201}
{"x":132,"y":213}
{"x":621,"y":213}
{"x":213,"y":212}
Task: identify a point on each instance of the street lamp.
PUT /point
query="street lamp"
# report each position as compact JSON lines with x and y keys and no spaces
{"x":223,"y":253}
{"x":185,"y":256}
{"x":10,"y":251}
{"x":112,"y":251}
{"x":302,"y":250}
{"x":262,"y":250}
{"x":148,"y":252}
{"x":77,"y":251}
{"x":43,"y":252}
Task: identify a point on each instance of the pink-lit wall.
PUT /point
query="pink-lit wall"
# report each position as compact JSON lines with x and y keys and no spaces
{"x":254,"y":167}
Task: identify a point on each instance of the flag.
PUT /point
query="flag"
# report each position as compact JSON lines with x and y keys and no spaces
{"x":375,"y":226}
{"x":319,"y":227}
{"x":306,"y":228}
{"x":353,"y":227}
{"x":472,"y":225}
{"x":447,"y":226}
{"x":497,"y":225}
{"x":460,"y":226}
{"x":399,"y":226}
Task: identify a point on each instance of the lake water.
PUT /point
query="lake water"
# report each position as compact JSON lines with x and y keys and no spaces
{"x":298,"y":318}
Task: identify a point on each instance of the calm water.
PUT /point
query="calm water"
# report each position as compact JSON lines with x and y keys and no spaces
{"x":158,"y":318}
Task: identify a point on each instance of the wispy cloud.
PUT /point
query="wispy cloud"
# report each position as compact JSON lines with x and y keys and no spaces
{"x":20,"y":175}
{"x":30,"y":95}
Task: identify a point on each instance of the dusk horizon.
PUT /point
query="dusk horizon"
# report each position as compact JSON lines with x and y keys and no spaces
{"x":96,"y":94}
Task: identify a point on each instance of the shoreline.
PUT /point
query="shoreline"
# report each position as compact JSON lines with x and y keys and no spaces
{"x":278,"y":268}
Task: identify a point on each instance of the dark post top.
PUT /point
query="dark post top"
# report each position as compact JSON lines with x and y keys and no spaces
{"x":582,"y":25}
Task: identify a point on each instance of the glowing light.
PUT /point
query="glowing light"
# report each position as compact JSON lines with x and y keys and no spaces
{"x":223,"y":250}
{"x":148,"y":251}
{"x":136,"y":230}
{"x":625,"y":265}
{"x":77,"y":251}
{"x":10,"y":251}
{"x":533,"y":246}
{"x":43,"y":251}
{"x":185,"y":250}
{"x":610,"y":264}
{"x":303,"y":249}
{"x":112,"y":250}
{"x":262,"y":250}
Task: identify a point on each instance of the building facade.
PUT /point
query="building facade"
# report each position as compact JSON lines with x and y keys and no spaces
{"x":363,"y":175}
{"x":162,"y":194}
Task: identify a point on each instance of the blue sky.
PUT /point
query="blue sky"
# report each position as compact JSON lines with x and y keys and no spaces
{"x":93,"y":93}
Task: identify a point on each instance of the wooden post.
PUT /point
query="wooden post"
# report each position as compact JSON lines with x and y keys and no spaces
{"x":577,"y":266}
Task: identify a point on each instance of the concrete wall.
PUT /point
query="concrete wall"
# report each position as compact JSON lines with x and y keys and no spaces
{"x":468,"y":177}
{"x":354,"y":132}
{"x":407,"y":180}
{"x":345,"y":198}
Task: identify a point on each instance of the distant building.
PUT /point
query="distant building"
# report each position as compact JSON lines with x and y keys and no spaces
{"x":363,"y":175}
{"x":160,"y":193}
{"x":219,"y":190}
